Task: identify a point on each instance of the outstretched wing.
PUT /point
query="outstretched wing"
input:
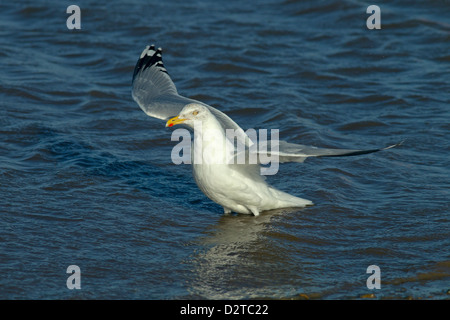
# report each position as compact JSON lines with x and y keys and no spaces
{"x":283,"y":151}
{"x":156,"y":94}
{"x":153,"y":90}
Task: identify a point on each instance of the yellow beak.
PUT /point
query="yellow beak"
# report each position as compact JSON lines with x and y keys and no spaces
{"x":175,"y":120}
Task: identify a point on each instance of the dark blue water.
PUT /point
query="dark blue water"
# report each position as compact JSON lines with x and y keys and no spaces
{"x":86,"y":177}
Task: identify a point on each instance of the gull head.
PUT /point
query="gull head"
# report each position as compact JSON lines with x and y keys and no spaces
{"x":190,"y":113}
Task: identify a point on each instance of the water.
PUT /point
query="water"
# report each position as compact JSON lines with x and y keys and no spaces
{"x":86,"y":177}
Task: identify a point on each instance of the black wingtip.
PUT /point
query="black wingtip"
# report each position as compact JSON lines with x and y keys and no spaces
{"x":354,"y":153}
{"x":361,"y":152}
{"x":151,"y":56}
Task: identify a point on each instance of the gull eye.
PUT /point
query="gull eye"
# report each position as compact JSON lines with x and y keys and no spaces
{"x":195,"y":113}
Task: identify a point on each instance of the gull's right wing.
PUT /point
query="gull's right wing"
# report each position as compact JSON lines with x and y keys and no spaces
{"x":153,"y":90}
{"x":156,"y":94}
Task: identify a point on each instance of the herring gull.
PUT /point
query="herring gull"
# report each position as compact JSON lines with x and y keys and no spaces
{"x":237,"y":187}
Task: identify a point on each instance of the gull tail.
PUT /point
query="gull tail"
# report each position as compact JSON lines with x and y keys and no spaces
{"x":285,"y":200}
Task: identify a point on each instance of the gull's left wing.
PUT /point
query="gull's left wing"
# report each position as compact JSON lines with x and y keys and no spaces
{"x":282,"y":151}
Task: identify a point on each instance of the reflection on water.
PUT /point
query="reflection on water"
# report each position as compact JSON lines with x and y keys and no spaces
{"x":235,"y":248}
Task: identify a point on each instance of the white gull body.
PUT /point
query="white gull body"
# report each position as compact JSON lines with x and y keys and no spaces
{"x":236,"y":187}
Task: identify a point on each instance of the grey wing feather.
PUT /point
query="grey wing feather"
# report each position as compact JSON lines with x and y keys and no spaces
{"x":291,"y":152}
{"x":153,"y":90}
{"x":157,"y":95}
